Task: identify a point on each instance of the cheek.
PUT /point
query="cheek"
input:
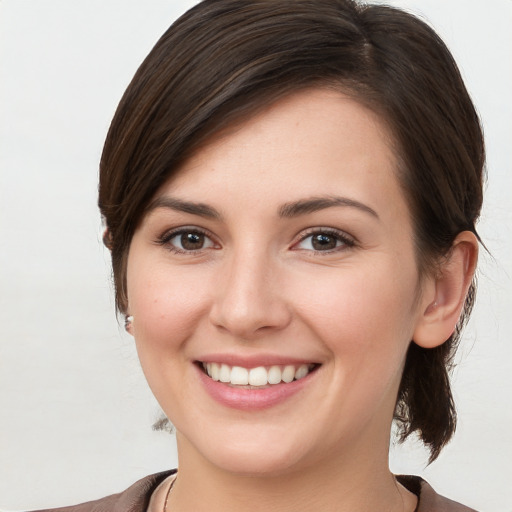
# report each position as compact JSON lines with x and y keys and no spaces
{"x":167,"y":306}
{"x":363,"y":312}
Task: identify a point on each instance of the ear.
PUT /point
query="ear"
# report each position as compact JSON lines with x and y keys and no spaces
{"x":128,"y":324}
{"x":445,"y":293}
{"x":107,"y":239}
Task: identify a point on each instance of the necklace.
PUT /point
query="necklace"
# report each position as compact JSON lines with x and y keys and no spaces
{"x":168,"y":492}
{"x":174,"y":480}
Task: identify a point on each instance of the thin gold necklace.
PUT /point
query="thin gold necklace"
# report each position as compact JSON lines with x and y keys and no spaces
{"x":174,"y":480}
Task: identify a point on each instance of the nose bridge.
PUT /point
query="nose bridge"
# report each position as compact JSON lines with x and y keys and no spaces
{"x":248,"y":300}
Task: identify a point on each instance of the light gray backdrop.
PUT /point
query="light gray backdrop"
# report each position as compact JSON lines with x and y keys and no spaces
{"x":75,"y":412}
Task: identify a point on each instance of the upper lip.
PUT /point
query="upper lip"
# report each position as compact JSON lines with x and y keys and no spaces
{"x":253,"y":361}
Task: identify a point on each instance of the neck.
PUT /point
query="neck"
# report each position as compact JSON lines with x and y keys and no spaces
{"x":338,"y":484}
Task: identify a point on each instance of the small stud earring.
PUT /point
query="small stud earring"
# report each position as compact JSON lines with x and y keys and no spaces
{"x":128,"y":322}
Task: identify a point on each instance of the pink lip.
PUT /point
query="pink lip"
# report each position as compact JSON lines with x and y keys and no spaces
{"x":252,"y":361}
{"x":251,"y":399}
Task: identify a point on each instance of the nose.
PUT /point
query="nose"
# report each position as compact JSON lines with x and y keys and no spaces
{"x":249,"y":301}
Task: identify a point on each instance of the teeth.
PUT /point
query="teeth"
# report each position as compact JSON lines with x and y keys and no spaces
{"x":260,"y":376}
{"x":288,"y":373}
{"x":301,"y":372}
{"x":215,"y":371}
{"x":239,"y":376}
{"x":274,"y":375}
{"x":225,"y":373}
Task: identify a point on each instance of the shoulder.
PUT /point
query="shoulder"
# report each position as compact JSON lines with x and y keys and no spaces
{"x":429,"y":500}
{"x":134,"y":499}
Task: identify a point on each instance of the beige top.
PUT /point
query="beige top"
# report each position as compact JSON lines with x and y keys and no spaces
{"x":136,"y":498}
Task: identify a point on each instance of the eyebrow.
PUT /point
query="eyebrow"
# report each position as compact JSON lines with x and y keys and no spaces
{"x":200,"y":209}
{"x":314,"y":204}
{"x":287,"y":210}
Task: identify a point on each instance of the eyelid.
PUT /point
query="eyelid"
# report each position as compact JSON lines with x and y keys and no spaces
{"x":165,"y":238}
{"x":346,"y":239}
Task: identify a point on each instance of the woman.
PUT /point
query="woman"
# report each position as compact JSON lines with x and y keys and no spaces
{"x":290,"y":193}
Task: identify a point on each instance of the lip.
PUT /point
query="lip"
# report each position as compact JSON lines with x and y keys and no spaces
{"x":253,"y":361}
{"x":251,"y":399}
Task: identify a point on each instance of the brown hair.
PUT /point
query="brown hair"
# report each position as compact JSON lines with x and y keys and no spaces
{"x":225,"y":59}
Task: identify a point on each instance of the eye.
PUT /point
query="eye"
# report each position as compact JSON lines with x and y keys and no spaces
{"x":187,"y":240}
{"x":324,"y":240}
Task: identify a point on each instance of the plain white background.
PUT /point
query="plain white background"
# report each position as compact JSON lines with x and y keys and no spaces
{"x":75,"y":412}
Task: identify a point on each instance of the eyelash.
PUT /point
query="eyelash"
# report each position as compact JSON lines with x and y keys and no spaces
{"x":165,"y":239}
{"x":346,"y":241}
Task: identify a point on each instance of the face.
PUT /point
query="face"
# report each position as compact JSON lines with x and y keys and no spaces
{"x":274,"y":289}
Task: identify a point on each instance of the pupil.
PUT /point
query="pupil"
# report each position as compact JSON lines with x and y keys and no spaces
{"x":323,"y":242}
{"x":192,"y":241}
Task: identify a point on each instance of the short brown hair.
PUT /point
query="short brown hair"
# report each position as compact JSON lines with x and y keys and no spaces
{"x":225,"y":59}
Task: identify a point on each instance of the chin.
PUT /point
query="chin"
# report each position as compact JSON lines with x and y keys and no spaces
{"x":258,"y":456}
{"x":261,"y":463}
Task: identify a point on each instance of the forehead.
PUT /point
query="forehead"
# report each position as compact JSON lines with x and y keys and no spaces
{"x":313,"y":142}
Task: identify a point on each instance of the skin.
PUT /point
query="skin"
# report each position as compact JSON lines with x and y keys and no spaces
{"x":257,"y":286}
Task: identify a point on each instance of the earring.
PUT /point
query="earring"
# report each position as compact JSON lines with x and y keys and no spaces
{"x":128,"y":321}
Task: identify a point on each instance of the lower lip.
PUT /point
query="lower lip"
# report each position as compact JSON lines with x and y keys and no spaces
{"x":252,"y":399}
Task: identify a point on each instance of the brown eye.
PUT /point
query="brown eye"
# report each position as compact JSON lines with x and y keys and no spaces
{"x":187,"y":240}
{"x":323,"y":242}
{"x":192,"y":241}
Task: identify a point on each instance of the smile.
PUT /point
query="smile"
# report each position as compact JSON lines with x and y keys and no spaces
{"x":256,"y":377}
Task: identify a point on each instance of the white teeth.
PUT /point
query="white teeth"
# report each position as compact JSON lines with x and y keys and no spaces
{"x":225,"y":373}
{"x":274,"y":375}
{"x":215,"y":371}
{"x":301,"y":372}
{"x":260,"y":376}
{"x":239,"y":376}
{"x":288,"y":373}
